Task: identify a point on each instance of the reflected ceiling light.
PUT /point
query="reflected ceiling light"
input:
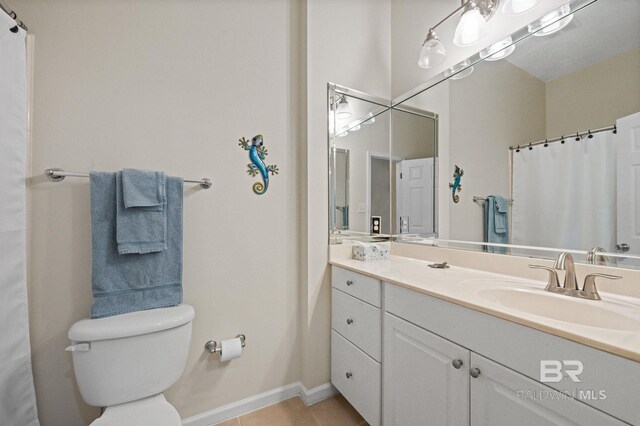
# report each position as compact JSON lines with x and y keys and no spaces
{"x":343,"y":134}
{"x":551,"y":22}
{"x":355,"y":128}
{"x":471,"y":27}
{"x":498,"y":50}
{"x":371,"y":119}
{"x":344,"y":110}
{"x":516,"y":7}
{"x":433,"y":52}
{"x":459,"y":71}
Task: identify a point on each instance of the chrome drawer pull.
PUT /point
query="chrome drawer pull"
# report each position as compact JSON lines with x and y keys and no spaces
{"x":457,"y":363}
{"x":349,"y":321}
{"x":475,"y":372}
{"x":349,"y":282}
{"x":348,"y":374}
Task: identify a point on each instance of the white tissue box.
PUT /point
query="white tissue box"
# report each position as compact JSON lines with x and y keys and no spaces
{"x":369,"y":251}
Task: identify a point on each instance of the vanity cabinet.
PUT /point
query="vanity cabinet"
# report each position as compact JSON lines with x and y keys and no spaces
{"x":401,"y":357}
{"x":430,"y":380}
{"x":356,"y":341}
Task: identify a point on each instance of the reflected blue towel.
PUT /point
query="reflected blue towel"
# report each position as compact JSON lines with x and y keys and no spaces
{"x":490,"y":234}
{"x":140,"y":229}
{"x":144,"y":188}
{"x":128,"y":283}
{"x":501,"y":220}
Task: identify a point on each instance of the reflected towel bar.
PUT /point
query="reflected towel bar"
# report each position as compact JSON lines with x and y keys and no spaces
{"x":477,"y":199}
{"x":56,"y":175}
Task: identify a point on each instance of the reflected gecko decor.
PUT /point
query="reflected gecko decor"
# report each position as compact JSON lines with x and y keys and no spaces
{"x":257,"y":154}
{"x":456,"y":186}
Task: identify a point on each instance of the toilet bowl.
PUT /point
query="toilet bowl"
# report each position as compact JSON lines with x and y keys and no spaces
{"x":123,"y":363}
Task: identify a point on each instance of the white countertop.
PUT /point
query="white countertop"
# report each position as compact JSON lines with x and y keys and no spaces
{"x":473,"y":289}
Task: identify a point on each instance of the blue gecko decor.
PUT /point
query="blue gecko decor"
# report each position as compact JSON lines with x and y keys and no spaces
{"x":456,"y":186}
{"x":257,"y":154}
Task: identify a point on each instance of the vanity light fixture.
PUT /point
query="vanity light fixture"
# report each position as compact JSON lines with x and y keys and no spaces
{"x":371,"y":119}
{"x":498,"y":50}
{"x":355,"y":128}
{"x":551,"y":22}
{"x":517,"y":7}
{"x":344,"y":109}
{"x":472,"y":26}
{"x":343,"y":134}
{"x":459,"y":71}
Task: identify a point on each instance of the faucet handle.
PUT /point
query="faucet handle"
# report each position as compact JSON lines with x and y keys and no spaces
{"x":590,"y":284}
{"x":553,"y":276}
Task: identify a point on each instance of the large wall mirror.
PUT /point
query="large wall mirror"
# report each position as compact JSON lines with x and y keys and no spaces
{"x":547,"y":133}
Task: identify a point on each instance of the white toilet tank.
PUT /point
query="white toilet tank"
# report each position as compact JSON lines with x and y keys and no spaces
{"x":128,"y":357}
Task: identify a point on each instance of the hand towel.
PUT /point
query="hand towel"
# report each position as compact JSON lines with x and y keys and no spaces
{"x":128,"y":283}
{"x":501,"y":219}
{"x":143,"y":188}
{"x":490,"y":234}
{"x":139,"y":230}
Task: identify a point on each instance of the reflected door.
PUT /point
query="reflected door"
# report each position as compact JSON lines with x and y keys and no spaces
{"x":414,"y":181}
{"x":628,"y":223}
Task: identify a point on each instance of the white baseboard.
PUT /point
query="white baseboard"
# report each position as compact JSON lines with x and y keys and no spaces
{"x":253,"y":403}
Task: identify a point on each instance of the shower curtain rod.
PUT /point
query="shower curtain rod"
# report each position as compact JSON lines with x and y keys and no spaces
{"x":13,"y":15}
{"x":577,"y":136}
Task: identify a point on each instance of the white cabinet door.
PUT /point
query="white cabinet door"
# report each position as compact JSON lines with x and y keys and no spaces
{"x":421,"y":384}
{"x":500,"y":396}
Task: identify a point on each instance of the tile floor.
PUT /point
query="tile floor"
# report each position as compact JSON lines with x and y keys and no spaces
{"x":335,"y":411}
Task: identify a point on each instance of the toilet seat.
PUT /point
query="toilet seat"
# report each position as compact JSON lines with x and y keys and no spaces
{"x":152,"y":411}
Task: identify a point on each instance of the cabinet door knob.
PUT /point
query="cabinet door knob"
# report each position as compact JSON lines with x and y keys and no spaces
{"x":457,"y":363}
{"x":349,"y":282}
{"x":475,"y":372}
{"x":348,"y":374}
{"x":349,"y":321}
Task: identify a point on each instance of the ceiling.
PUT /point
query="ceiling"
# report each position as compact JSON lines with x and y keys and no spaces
{"x":600,"y":31}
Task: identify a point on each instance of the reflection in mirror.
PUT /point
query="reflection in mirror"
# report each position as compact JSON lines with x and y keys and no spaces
{"x":548,"y":138}
{"x":358,"y":165}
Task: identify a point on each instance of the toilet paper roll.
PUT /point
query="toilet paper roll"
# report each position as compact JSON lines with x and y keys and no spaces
{"x":230,"y":349}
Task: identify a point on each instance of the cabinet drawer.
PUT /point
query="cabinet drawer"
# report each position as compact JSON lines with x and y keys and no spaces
{"x":362,"y":388}
{"x":358,"y":321}
{"x":363,"y":287}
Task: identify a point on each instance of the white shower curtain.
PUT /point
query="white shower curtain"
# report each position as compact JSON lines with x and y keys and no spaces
{"x":17,"y":396}
{"x":565,"y":194}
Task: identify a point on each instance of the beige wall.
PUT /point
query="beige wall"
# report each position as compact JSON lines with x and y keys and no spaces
{"x":348,"y":42}
{"x":595,"y":96}
{"x":170,"y":85}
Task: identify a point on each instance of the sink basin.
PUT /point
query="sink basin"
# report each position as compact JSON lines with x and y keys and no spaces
{"x":599,"y":314}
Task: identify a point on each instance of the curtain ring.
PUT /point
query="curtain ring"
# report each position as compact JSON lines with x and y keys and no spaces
{"x":590,"y":135}
{"x":562,"y":139}
{"x":546,"y":143}
{"x":518,"y":148}
{"x":615,"y":129}
{"x":577,"y":136}
{"x":530,"y":147}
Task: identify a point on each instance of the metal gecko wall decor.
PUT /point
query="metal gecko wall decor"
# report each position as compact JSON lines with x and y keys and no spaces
{"x":257,"y":154}
{"x":456,"y":186}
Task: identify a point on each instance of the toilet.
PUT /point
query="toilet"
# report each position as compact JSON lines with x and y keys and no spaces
{"x":123,"y":363}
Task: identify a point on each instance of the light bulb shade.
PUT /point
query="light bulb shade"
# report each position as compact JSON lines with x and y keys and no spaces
{"x":344,"y":110}
{"x":471,"y":27}
{"x":517,"y":7}
{"x":498,"y":50}
{"x":432,"y":53}
{"x":551,"y":22}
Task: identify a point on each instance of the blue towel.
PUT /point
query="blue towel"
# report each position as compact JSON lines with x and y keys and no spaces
{"x":501,"y":219}
{"x":141,"y":229}
{"x":490,"y":234}
{"x":128,"y":283}
{"x":144,"y":188}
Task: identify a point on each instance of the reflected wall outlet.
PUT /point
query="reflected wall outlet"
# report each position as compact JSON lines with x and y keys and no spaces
{"x":404,"y":224}
{"x":376,"y":223}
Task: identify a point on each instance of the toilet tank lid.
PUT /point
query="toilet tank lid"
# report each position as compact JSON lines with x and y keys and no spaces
{"x":131,"y":324}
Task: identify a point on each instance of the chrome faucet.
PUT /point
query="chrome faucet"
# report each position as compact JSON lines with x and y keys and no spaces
{"x":564,"y":262}
{"x":594,"y":258}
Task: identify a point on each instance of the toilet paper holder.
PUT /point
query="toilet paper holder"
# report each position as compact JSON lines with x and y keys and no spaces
{"x":212,"y":346}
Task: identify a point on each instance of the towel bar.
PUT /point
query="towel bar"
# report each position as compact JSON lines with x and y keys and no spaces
{"x":57,"y":175}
